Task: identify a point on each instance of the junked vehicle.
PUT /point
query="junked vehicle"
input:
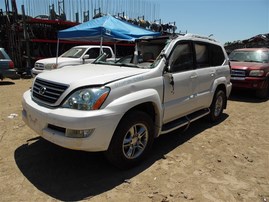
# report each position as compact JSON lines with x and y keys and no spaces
{"x":74,"y":56}
{"x":121,"y":107}
{"x":6,"y":66}
{"x":250,"y":70}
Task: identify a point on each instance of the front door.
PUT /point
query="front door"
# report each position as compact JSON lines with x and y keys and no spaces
{"x":180,"y":83}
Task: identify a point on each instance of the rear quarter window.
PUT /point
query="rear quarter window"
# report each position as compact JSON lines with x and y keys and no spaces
{"x":216,"y":55}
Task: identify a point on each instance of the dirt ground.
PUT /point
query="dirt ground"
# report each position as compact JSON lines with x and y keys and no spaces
{"x":228,"y":161}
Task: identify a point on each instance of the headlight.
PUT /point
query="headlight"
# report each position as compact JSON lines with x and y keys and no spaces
{"x":51,"y":66}
{"x":87,"y":99}
{"x":256,"y":73}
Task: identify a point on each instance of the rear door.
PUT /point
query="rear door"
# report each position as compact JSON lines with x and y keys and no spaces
{"x":209,"y":58}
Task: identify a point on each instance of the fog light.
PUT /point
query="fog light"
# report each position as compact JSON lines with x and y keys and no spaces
{"x":78,"y":133}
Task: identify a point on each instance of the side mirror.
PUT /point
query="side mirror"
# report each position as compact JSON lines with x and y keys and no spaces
{"x":86,"y":56}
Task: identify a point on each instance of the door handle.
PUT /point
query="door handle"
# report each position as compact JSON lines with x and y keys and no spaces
{"x":194,"y":76}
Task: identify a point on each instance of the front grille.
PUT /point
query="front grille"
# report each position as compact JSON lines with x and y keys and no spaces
{"x":48,"y":92}
{"x":238,"y":73}
{"x":39,"y":66}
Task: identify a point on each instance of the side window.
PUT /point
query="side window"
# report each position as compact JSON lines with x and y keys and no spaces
{"x":216,"y":55}
{"x":108,"y":52}
{"x":181,"y":58}
{"x":202,"y":55}
{"x":93,"y":53}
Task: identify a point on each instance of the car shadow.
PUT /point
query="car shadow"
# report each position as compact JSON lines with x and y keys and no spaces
{"x":5,"y":83}
{"x":246,"y":96}
{"x":69,"y":175}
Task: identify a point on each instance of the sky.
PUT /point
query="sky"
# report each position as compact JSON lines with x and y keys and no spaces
{"x":226,"y":20}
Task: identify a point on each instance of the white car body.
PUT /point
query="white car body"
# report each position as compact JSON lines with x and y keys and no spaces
{"x":168,"y":97}
{"x":48,"y":64}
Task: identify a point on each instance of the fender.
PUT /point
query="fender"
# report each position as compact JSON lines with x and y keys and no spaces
{"x":217,"y":82}
{"x":129,"y":101}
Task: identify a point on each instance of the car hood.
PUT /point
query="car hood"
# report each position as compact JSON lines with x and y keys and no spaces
{"x":248,"y":65}
{"x":53,"y":60}
{"x":90,"y":74}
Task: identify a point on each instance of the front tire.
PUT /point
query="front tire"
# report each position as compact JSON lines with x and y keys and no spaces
{"x":132,"y":140}
{"x":217,"y":106}
{"x":263,"y":92}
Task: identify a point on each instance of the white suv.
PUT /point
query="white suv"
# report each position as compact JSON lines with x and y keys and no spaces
{"x":121,"y":107}
{"x":74,"y":56}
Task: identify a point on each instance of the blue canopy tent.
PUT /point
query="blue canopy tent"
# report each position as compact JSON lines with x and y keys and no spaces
{"x":106,"y":28}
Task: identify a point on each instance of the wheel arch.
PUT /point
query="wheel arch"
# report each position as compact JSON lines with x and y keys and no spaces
{"x":152,"y":110}
{"x":223,"y":88}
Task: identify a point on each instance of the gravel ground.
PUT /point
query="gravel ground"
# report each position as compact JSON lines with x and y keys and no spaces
{"x":228,"y":161}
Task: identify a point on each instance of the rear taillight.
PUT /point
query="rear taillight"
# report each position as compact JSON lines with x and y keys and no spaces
{"x":11,"y":65}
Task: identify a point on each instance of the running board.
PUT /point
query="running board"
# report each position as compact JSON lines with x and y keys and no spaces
{"x":184,"y":121}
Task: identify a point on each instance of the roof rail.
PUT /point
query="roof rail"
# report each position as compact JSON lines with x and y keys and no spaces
{"x":201,"y":37}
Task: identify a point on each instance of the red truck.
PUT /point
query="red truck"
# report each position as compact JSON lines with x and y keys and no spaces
{"x":250,"y":70}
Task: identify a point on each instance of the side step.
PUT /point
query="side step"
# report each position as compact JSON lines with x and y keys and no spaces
{"x":184,"y":121}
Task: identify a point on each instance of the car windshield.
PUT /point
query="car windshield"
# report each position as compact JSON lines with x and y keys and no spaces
{"x":74,"y":53}
{"x":250,"y":56}
{"x":146,"y":56}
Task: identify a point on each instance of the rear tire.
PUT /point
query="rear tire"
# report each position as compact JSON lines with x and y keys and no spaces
{"x":132,"y":140}
{"x":217,"y":106}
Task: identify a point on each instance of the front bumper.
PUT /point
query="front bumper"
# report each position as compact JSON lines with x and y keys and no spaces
{"x":35,"y":72}
{"x":249,"y":82}
{"x":39,"y":118}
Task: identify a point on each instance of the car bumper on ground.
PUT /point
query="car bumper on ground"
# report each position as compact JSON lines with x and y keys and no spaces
{"x":53,"y":124}
{"x":249,"y":82}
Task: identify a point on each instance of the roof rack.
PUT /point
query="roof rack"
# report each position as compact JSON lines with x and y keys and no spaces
{"x":200,"y":37}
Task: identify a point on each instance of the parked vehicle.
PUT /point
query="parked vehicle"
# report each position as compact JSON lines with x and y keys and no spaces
{"x":6,"y":66}
{"x":75,"y":56}
{"x":121,"y":107}
{"x":250,"y":70}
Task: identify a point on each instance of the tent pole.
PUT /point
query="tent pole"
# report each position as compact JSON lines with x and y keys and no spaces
{"x":115,"y":50}
{"x":57,"y":52}
{"x":101,"y":45}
